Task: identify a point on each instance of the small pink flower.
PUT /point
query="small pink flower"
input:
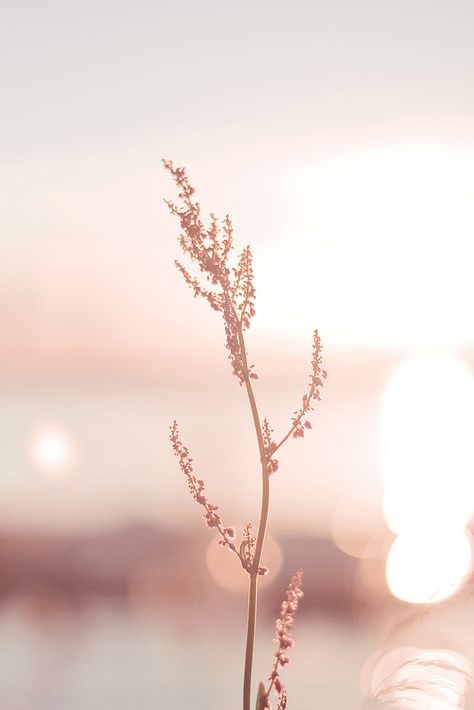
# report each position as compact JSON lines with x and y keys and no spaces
{"x":232,"y":291}
{"x":196,"y":488}
{"x":283,"y":639}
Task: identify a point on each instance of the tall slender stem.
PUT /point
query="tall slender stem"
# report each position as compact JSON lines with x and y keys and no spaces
{"x":251,"y":619}
{"x":262,"y":525}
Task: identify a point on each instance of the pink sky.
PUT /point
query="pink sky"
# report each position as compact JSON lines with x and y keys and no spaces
{"x":339,"y":138}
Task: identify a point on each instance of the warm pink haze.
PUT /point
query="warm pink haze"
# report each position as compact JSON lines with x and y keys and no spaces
{"x":338,"y":136}
{"x":340,"y":141}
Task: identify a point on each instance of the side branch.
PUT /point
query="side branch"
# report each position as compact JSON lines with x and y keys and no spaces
{"x":316,"y":382}
{"x":196,"y":489}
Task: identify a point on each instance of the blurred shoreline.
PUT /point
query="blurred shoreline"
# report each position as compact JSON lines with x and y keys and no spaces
{"x":157,"y":568}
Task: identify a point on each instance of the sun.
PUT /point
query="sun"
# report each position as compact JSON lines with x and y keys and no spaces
{"x":51,"y":450}
{"x":376,"y":249}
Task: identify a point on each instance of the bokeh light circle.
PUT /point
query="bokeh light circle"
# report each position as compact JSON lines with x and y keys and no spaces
{"x":428,"y":568}
{"x":51,"y":449}
{"x":357,"y":527}
{"x":427,"y":418}
{"x":226,"y":570}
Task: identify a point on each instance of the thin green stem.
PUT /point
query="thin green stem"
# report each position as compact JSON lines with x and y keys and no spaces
{"x":262,"y":526}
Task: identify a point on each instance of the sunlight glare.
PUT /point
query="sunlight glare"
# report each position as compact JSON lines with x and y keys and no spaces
{"x":395,"y":224}
{"x":429,"y":568}
{"x":51,"y":450}
{"x":427,"y":416}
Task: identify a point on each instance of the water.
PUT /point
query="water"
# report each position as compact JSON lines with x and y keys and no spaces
{"x":119,"y":660}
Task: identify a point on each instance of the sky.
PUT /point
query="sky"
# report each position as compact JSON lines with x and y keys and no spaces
{"x":339,"y":137}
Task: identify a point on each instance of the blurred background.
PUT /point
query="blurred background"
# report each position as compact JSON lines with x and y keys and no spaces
{"x":339,"y":137}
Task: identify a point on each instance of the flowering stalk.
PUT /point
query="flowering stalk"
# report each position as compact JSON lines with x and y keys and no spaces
{"x":230,"y":291}
{"x":196,"y":488}
{"x":284,"y":641}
